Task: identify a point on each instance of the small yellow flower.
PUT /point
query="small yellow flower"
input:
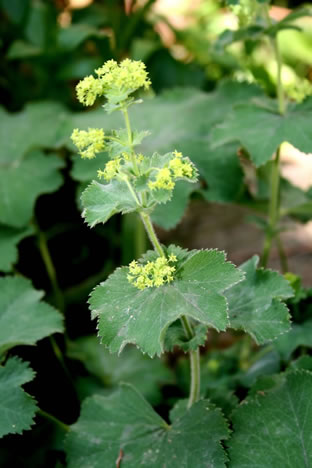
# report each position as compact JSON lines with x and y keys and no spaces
{"x":88,"y":90}
{"x":111,"y":169}
{"x":163,"y":180}
{"x":113,"y":80}
{"x":89,"y":143}
{"x":153,"y":274}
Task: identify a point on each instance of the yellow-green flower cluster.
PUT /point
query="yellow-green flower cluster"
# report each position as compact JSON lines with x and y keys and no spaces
{"x":111,"y":169}
{"x":153,"y":274}
{"x":88,"y":90}
{"x":299,"y":91}
{"x":89,"y":143}
{"x":178,"y":167}
{"x":128,"y":76}
{"x":114,"y":80}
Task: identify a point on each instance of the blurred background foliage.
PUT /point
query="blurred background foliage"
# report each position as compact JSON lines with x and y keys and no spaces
{"x":199,"y":70}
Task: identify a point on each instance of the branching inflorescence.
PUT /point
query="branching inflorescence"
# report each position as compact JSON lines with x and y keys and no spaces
{"x":150,"y":179}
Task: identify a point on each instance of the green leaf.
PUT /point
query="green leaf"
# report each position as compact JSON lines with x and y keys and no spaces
{"x":100,"y":201}
{"x":17,"y":408}
{"x":21,"y":50}
{"x":9,"y":238}
{"x":274,"y":429}
{"x":70,"y":37}
{"x":299,"y":335}
{"x":222,"y":172}
{"x":40,"y":124}
{"x":125,"y":425}
{"x":255,"y":304}
{"x":285,"y":23}
{"x":142,"y":317}
{"x":144,"y":373}
{"x":22,"y":181}
{"x":248,"y":123}
{"x":229,"y":36}
{"x":85,"y":170}
{"x":24,"y":319}
{"x":169,"y":215}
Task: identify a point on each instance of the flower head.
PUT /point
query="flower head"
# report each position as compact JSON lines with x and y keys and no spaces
{"x":126,"y":77}
{"x":115,"y":81}
{"x":179,"y":167}
{"x":89,"y":143}
{"x":88,"y":90}
{"x":111,"y":169}
{"x":153,"y":274}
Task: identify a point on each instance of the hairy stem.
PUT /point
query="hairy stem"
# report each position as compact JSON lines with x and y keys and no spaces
{"x":194,"y":364}
{"x":152,"y":234}
{"x":273,"y":209}
{"x":146,"y":220}
{"x":130,"y":140}
{"x":278,"y":58}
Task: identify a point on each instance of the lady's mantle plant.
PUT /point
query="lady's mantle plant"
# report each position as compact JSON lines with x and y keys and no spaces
{"x":166,"y":293}
{"x":138,"y":303}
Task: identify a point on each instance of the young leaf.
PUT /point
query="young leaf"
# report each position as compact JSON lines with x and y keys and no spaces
{"x":248,"y":123}
{"x":274,"y":428}
{"x":22,"y":181}
{"x":255,"y":304}
{"x":24,"y":319}
{"x":142,"y":317}
{"x":101,"y":201}
{"x":17,"y":408}
{"x":144,"y":373}
{"x":9,"y":238}
{"x":124,"y":425}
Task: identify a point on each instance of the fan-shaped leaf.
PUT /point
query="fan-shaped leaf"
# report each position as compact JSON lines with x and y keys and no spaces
{"x":125,"y":426}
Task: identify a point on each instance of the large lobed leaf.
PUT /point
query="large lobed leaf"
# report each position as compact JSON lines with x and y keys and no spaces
{"x":255,"y":304}
{"x":261,"y":129}
{"x":128,"y":315}
{"x":40,"y":124}
{"x":125,"y":426}
{"x":274,"y":428}
{"x":22,"y":181}
{"x":17,"y":408}
{"x":24,"y":319}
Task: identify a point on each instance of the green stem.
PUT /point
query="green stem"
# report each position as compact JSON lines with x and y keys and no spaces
{"x":48,"y":263}
{"x":273,"y":209}
{"x":152,"y":234}
{"x":278,"y":58}
{"x":133,"y":159}
{"x":131,"y":189}
{"x":280,"y":92}
{"x":140,"y":238}
{"x":56,"y":421}
{"x":194,"y":364}
{"x":194,"y":354}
